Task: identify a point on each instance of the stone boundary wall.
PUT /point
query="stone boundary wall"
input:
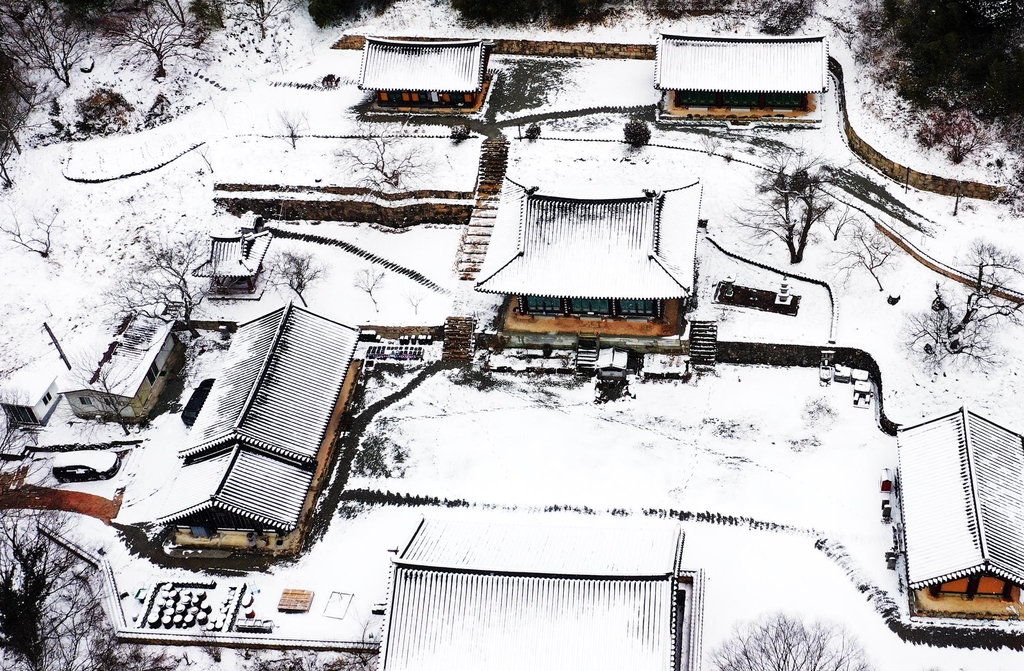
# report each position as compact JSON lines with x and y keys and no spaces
{"x":902,"y":173}
{"x":346,"y":191}
{"x":939,"y":267}
{"x":397,"y":216}
{"x":550,"y":48}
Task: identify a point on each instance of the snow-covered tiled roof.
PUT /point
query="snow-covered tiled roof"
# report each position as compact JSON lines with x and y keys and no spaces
{"x":251,"y":484}
{"x":235,"y":255}
{"x":565,"y":550}
{"x":743,"y":64}
{"x":962,"y":491}
{"x":279,"y":385}
{"x":399,"y":65}
{"x":129,"y":357}
{"x":636,"y":247}
{"x":470,"y":596}
{"x":27,"y":386}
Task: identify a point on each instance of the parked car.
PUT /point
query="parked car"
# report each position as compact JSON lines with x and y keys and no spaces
{"x":85,"y":465}
{"x":195,"y":403}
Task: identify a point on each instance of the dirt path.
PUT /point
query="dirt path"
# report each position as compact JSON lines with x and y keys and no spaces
{"x":43,"y":498}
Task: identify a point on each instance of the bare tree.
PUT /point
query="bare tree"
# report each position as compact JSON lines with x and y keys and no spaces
{"x":710,"y":143}
{"x":781,"y":642}
{"x":260,"y":12}
{"x":414,"y":299}
{"x":369,"y":280}
{"x":384,"y":161}
{"x":48,"y":606}
{"x":791,"y":199}
{"x":43,"y":35}
{"x":36,"y":237}
{"x":159,"y":283}
{"x":960,"y":328}
{"x":293,"y":123}
{"x":837,"y":221}
{"x":298,"y":271}
{"x":19,"y":98}
{"x":959,"y":131}
{"x":867,"y":248}
{"x":154,"y":34}
{"x":12,"y":438}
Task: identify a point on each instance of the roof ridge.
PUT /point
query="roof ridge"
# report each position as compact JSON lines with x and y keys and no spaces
{"x":236,"y":450}
{"x":247,"y":405}
{"x":491,"y":571}
{"x":972,"y":479}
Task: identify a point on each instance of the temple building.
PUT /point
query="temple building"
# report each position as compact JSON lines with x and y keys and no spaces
{"x":606,"y":265}
{"x":961,"y":487}
{"x":741,"y":78}
{"x":449,"y":76}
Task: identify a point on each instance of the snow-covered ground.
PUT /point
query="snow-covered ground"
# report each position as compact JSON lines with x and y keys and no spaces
{"x":738,"y":442}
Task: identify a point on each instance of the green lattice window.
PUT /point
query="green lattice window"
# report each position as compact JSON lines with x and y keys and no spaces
{"x":784,"y":99}
{"x":736,"y":99}
{"x":633,"y":308}
{"x":600,"y":306}
{"x":696,"y":98}
{"x":543,"y":304}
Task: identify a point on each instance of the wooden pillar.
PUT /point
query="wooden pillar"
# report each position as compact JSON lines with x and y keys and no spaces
{"x":1007,"y":594}
{"x":972,"y":587}
{"x":761,"y":102}
{"x":719,"y":99}
{"x":804,"y":102}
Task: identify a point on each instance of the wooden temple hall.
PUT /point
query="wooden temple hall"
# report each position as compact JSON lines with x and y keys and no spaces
{"x":961,"y":490}
{"x":769,"y":78}
{"x":614,"y":266}
{"x":408,"y":74}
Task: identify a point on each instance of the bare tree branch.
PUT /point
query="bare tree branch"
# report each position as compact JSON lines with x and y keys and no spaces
{"x":44,"y":36}
{"x":791,"y":199}
{"x":369,"y":280}
{"x":260,"y":12}
{"x":867,"y":248}
{"x":36,"y":238}
{"x":155,"y":34}
{"x":298,"y":271}
{"x":293,"y":123}
{"x":160,"y":284}
{"x":383,"y":161}
{"x":782,"y":643}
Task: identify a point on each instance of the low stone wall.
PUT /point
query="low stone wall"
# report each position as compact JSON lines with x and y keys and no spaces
{"x":534,"y":47}
{"x":345,"y":191}
{"x":902,"y":173}
{"x":395,"y":216}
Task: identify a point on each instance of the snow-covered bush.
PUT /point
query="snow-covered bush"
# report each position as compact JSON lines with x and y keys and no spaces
{"x":103,"y":112}
{"x":819,"y":410}
{"x":636,"y":132}
{"x":532,"y":131}
{"x":784,"y":17}
{"x":460,"y":132}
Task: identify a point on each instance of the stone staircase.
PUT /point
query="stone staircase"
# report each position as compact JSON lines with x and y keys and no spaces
{"x":703,"y":343}
{"x":458,"y":339}
{"x":473,"y":248}
{"x":587,"y":347}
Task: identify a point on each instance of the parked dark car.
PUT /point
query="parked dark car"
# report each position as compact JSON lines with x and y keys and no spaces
{"x":195,"y":404}
{"x":85,"y":465}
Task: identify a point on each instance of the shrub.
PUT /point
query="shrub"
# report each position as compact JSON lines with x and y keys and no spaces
{"x":209,"y":13}
{"x":636,"y":132}
{"x":460,"y":132}
{"x":328,"y":12}
{"x":103,"y":112}
{"x":784,"y":17}
{"x":958,"y":131}
{"x":532,"y":131}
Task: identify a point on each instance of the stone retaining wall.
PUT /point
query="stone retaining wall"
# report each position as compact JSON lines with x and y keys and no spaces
{"x":345,"y":191}
{"x":534,"y":47}
{"x":902,"y":173}
{"x":397,"y":216}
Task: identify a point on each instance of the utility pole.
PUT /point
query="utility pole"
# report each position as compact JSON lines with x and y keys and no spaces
{"x":57,"y":345}
{"x":959,"y":192}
